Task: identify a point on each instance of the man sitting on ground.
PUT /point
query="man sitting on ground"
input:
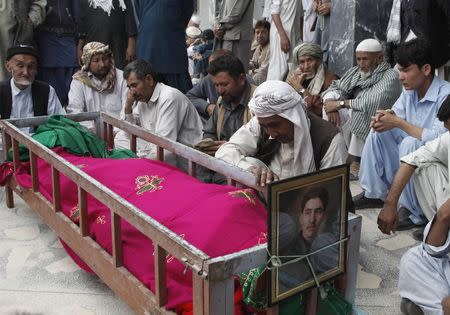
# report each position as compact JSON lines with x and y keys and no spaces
{"x":409,"y":125}
{"x":283,"y":140}
{"x":22,"y":96}
{"x":311,"y":77}
{"x":99,"y":85}
{"x":351,"y":101}
{"x":159,"y":108}
{"x":260,"y":60}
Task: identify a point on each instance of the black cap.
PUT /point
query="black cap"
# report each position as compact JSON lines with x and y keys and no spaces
{"x":208,"y":34}
{"x":21,"y":50}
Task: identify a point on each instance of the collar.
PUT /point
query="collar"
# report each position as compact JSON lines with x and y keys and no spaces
{"x":156,"y":93}
{"x":433,"y":91}
{"x":242,"y":101}
{"x":15,"y":90}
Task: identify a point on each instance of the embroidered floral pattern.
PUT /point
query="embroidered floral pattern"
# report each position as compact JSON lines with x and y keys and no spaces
{"x":148,"y":183}
{"x":248,"y":194}
{"x":74,"y":214}
{"x":100,"y":219}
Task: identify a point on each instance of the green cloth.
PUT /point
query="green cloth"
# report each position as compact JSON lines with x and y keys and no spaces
{"x":73,"y":137}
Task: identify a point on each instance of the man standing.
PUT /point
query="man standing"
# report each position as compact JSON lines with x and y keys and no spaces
{"x":285,"y":34}
{"x":322,"y":34}
{"x":17,"y":21}
{"x":410,"y":124}
{"x":233,"y":29}
{"x":311,"y":77}
{"x":22,"y":96}
{"x":161,"y":109}
{"x":161,"y":39}
{"x":351,"y":101}
{"x":260,"y":60}
{"x":99,"y":85}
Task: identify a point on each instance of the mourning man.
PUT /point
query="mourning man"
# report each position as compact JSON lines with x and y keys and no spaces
{"x":311,"y":77}
{"x":411,"y":123}
{"x":351,"y":101}
{"x":260,"y":60}
{"x":159,"y":108}
{"x":282,"y":140}
{"x":99,"y":85}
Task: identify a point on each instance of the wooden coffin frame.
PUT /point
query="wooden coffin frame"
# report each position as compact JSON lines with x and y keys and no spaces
{"x":213,"y":285}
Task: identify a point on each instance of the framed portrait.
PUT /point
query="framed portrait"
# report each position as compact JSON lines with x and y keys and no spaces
{"x":307,"y":230}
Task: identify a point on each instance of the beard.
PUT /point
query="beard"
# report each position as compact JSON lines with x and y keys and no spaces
{"x":365,"y":75}
{"x":23,"y":82}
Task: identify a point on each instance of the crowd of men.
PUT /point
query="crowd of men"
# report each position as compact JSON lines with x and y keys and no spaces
{"x":263,"y":99}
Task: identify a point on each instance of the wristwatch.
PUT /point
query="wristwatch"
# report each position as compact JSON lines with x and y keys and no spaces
{"x":302,"y":91}
{"x":341,"y":104}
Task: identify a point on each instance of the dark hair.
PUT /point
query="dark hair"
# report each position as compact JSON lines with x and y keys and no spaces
{"x":444,"y":111}
{"x":312,"y":193}
{"x":262,"y":23}
{"x":226,"y":63}
{"x":415,"y":52}
{"x":141,"y":68}
{"x":208,"y":34}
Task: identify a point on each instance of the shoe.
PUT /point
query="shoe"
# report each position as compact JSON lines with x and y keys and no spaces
{"x":362,"y":202}
{"x":409,"y":308}
{"x":418,"y":234}
{"x":404,"y":222}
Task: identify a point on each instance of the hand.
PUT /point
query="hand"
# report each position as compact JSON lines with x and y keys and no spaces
{"x":215,"y":145}
{"x":218,"y":33}
{"x":324,"y":9}
{"x":263,"y":175}
{"x":296,"y":80}
{"x":284,"y":43}
{"x":331,"y":106}
{"x":130,"y":54}
{"x":210,"y":109}
{"x":384,"y":120}
{"x":334,"y":118}
{"x":388,"y":219}
{"x":129,"y":103}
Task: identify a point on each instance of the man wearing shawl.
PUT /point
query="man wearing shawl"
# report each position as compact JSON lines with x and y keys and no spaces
{"x":311,"y":77}
{"x":283,"y":140}
{"x":351,"y":101}
{"x":410,"y":124}
{"x":99,"y":85}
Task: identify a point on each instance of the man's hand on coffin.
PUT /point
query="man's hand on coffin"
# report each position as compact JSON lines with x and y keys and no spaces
{"x":388,"y":218}
{"x":263,"y":175}
{"x":215,"y":145}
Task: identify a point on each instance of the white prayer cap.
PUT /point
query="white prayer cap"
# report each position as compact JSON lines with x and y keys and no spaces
{"x":369,"y":45}
{"x":195,"y":19}
{"x":193,"y":32}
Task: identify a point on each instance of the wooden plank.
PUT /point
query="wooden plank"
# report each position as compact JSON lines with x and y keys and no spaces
{"x":274,"y":310}
{"x":160,"y":153}
{"x":110,"y":136}
{"x":6,"y":146}
{"x":116,"y":229}
{"x":219,"y":297}
{"x":39,"y":120}
{"x":56,"y":190}
{"x":192,"y":168}
{"x":160,"y":275}
{"x":34,"y":172}
{"x":16,"y":161}
{"x":311,"y":302}
{"x":198,"y":297}
{"x":105,"y":132}
{"x":82,"y":208}
{"x":231,"y":181}
{"x":133,"y":143}
{"x":354,"y":232}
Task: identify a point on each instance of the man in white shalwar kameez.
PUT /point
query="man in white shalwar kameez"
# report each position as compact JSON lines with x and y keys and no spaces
{"x":281,"y":124}
{"x":285,"y":35}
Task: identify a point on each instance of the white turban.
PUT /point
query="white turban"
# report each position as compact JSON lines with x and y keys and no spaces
{"x":279,"y":98}
{"x":193,"y":32}
{"x":369,"y":45}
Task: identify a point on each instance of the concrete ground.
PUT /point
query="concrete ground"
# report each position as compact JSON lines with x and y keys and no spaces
{"x":37,"y":276}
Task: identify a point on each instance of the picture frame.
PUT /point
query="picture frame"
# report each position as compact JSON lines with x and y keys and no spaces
{"x":307,"y":230}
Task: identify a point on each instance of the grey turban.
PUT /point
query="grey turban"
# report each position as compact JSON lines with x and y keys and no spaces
{"x":308,"y":49}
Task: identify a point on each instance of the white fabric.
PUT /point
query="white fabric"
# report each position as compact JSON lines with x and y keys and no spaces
{"x":168,"y":114}
{"x":83,"y":98}
{"x":394,"y":25}
{"x":193,"y":31}
{"x":290,"y":12}
{"x":356,"y":146}
{"x":369,"y":45}
{"x":196,"y":19}
{"x":279,"y":98}
{"x":309,"y":15}
{"x":106,"y":5}
{"x":345,"y":116}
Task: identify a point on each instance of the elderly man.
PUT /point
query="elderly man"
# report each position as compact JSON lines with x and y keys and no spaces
{"x":22,"y":96}
{"x":351,"y":101}
{"x":260,"y":59}
{"x":409,"y":125}
{"x":311,"y":77}
{"x":99,"y":85}
{"x":282,"y":140}
{"x":161,"y":109}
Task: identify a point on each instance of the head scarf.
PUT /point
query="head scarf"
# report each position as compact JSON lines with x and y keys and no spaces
{"x":279,"y":98}
{"x":106,"y":5}
{"x":308,"y":49}
{"x":89,"y":50}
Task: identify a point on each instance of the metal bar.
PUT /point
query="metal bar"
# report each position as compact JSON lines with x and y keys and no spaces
{"x":160,"y":275}
{"x":192,"y":169}
{"x":116,"y":229}
{"x":34,"y":172}
{"x":56,"y":190}
{"x":160,"y":153}
{"x":198,"y":295}
{"x":133,"y":144}
{"x":82,"y":208}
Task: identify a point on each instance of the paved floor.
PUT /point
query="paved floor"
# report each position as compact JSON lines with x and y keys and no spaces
{"x":37,"y":276}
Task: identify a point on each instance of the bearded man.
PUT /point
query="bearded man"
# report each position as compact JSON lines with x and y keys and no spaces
{"x":311,"y":77}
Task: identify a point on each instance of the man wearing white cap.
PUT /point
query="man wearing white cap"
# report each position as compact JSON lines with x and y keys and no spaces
{"x":351,"y":101}
{"x":282,"y":140}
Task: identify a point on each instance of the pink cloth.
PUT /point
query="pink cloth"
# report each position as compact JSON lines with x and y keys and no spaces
{"x":218,"y":220}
